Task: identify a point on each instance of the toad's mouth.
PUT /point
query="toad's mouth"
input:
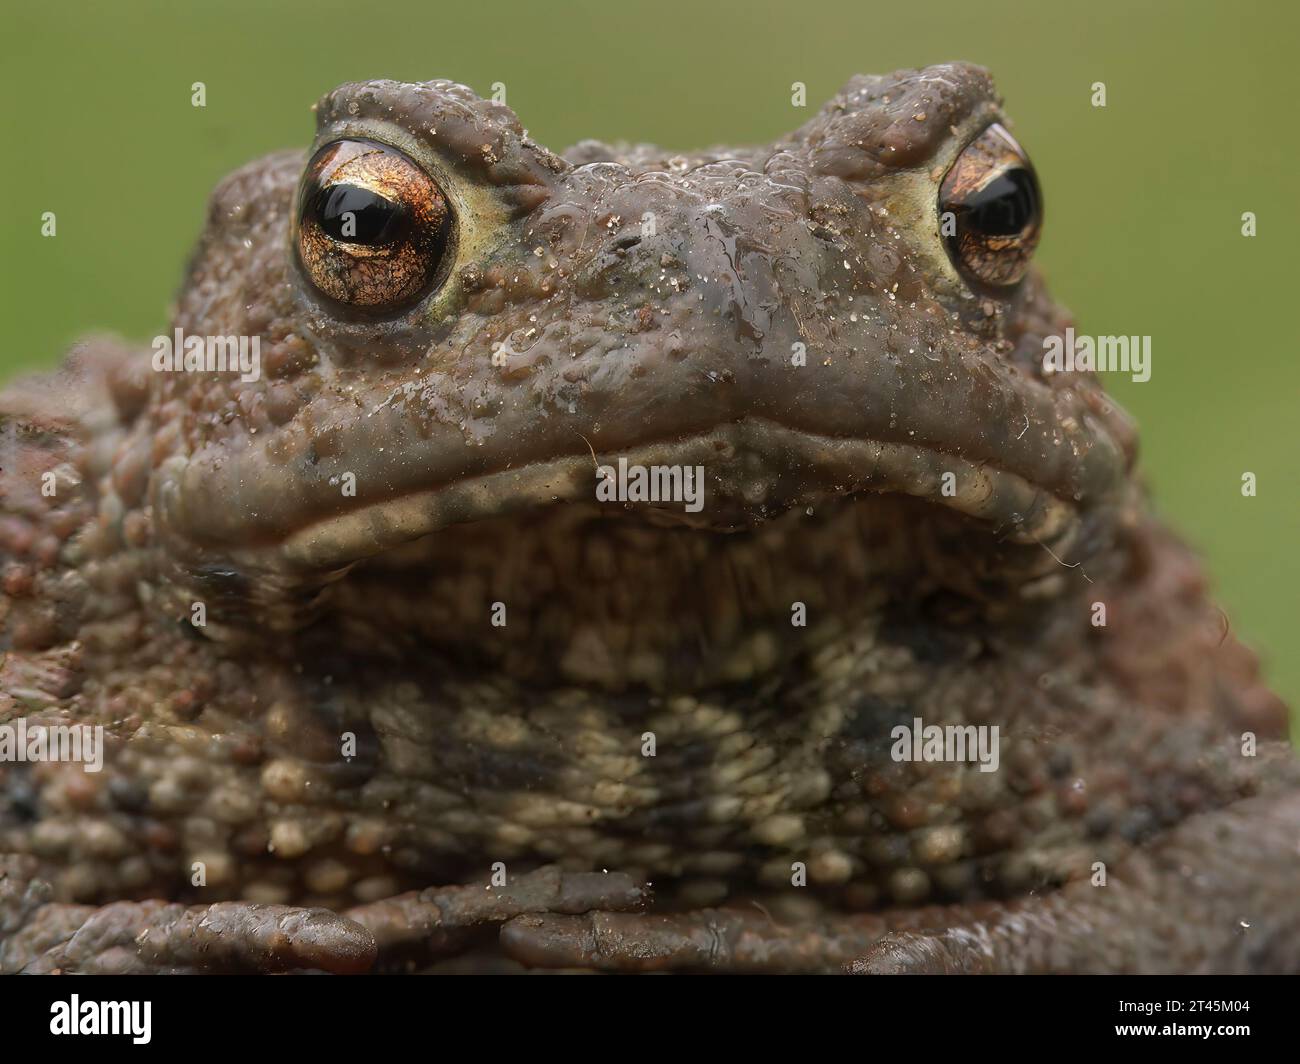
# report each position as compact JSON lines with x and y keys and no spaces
{"x":712,"y":481}
{"x":731,"y":478}
{"x":597,"y":585}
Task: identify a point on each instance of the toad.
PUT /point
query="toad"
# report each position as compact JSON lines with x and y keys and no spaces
{"x":887,"y":666}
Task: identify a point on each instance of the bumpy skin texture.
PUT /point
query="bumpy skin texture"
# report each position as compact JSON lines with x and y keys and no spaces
{"x":349,"y":728}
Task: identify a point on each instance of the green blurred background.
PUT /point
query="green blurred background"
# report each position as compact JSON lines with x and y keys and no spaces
{"x":1144,"y":197}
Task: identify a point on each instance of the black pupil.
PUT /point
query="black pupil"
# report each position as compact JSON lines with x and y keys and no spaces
{"x":359,"y":216}
{"x":1004,"y":206}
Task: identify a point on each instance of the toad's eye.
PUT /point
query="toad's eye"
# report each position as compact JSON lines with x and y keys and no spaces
{"x":990,"y":210}
{"x":373,"y":228}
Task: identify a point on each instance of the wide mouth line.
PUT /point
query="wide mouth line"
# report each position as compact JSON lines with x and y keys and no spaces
{"x":804,"y":467}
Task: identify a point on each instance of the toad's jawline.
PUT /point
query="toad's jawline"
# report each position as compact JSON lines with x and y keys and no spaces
{"x":815,"y":466}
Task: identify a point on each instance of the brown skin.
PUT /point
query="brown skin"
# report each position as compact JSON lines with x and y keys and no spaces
{"x":348,"y":726}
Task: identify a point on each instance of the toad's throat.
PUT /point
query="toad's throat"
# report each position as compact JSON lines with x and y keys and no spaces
{"x":579,"y":595}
